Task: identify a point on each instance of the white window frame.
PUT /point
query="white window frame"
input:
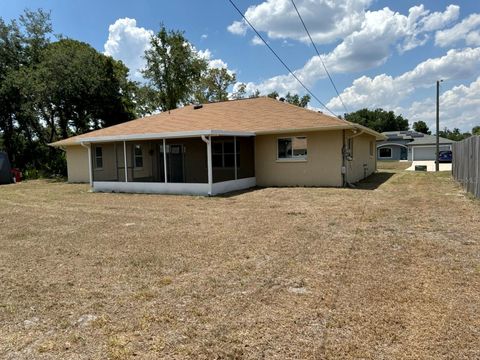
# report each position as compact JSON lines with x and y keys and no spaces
{"x":301,"y":158}
{"x":98,"y":157}
{"x":385,"y":157}
{"x":135,"y":157}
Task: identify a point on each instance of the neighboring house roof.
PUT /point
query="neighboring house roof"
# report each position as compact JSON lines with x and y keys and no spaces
{"x":429,"y":140}
{"x":412,"y":138}
{"x":261,"y":115}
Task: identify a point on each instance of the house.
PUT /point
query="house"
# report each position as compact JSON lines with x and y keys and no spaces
{"x":410,"y":145}
{"x":222,"y":147}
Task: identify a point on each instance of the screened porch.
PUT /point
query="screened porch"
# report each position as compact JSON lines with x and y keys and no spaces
{"x":205,"y":165}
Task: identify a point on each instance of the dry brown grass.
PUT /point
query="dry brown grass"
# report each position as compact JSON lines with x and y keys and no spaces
{"x":393,"y":165}
{"x":390,"y":273}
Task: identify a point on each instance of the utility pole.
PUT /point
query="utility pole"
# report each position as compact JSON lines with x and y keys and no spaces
{"x":437,"y":150}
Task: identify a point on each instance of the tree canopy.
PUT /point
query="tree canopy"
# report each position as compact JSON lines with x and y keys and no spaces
{"x":421,"y":127}
{"x":379,"y":120}
{"x":174,"y":69}
{"x":52,"y":90}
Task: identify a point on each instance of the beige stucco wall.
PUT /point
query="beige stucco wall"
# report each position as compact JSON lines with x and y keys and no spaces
{"x":322,"y":167}
{"x":364,"y":161}
{"x":77,"y":164}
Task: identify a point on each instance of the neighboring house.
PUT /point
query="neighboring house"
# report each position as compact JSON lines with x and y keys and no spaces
{"x":410,"y":145}
{"x":221,"y":147}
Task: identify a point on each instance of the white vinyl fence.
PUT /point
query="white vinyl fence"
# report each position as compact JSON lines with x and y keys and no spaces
{"x":466,"y":164}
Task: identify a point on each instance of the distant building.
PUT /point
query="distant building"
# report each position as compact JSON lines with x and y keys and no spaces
{"x":410,"y":145}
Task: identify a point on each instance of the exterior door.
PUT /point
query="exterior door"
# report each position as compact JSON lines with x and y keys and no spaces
{"x":403,"y":153}
{"x":175,"y":161}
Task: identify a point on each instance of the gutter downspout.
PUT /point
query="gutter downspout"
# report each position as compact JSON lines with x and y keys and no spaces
{"x":90,"y":172}
{"x":209,"y":163}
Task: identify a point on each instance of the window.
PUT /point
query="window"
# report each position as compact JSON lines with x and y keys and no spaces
{"x":372,"y":148}
{"x":98,"y":157}
{"x":385,"y":152}
{"x":223,"y":154}
{"x":292,"y":148}
{"x":138,"y":156}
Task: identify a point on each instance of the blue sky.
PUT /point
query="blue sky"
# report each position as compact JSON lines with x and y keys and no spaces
{"x":380,"y":53}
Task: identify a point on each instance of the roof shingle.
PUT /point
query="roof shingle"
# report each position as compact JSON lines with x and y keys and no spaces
{"x":257,"y":115}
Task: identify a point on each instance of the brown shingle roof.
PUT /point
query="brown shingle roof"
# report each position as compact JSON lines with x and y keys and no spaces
{"x":257,"y":115}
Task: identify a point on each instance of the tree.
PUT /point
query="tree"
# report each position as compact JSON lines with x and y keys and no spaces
{"x":240,"y":90}
{"x":421,"y":127}
{"x":255,"y":94}
{"x":21,"y":42}
{"x":378,"y":120}
{"x":77,"y":89}
{"x":146,"y":100}
{"x":476,"y":130}
{"x":455,"y":134}
{"x":273,"y":95}
{"x":297,"y":100}
{"x":173,"y":68}
{"x":213,"y":85}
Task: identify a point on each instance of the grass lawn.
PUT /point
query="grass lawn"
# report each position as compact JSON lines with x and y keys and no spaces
{"x":393,"y":165}
{"x":387,"y":273}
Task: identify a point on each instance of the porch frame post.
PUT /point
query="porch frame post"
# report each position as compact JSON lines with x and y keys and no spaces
{"x":90,"y":160}
{"x":165,"y":159}
{"x":235,"y":155}
{"x":209,"y":165}
{"x":125,"y":160}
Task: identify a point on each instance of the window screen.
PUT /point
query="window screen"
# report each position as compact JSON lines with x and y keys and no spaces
{"x":138,"y":156}
{"x":98,"y":157}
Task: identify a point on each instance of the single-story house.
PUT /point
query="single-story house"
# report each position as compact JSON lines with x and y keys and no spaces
{"x":410,"y":145}
{"x":220,"y":147}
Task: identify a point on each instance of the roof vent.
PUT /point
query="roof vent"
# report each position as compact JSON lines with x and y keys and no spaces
{"x":197,"y":106}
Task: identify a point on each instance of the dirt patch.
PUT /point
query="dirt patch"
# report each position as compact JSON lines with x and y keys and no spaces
{"x":273,"y":273}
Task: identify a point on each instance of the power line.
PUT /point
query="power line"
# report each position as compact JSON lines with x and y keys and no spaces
{"x":279,"y":59}
{"x":318,"y":53}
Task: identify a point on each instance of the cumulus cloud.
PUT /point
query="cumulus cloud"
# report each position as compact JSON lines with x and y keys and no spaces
{"x":458,"y":108}
{"x":238,"y":28}
{"x":257,"y":41}
{"x":127,"y":42}
{"x":327,"y":20}
{"x":368,"y":46}
{"x":388,"y":92}
{"x":468,"y":30}
{"x":213,"y":63}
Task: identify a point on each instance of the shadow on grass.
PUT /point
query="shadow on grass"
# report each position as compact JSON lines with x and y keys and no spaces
{"x":374,"y":181}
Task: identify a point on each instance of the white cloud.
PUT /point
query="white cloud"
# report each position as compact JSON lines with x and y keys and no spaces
{"x":458,"y":108}
{"x":238,"y":28}
{"x":439,"y":20}
{"x":327,"y":20}
{"x":127,"y":42}
{"x":204,"y":36}
{"x":369,"y":46}
{"x":257,"y":41}
{"x":213,"y":63}
{"x":467,"y":30}
{"x":388,"y":92}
